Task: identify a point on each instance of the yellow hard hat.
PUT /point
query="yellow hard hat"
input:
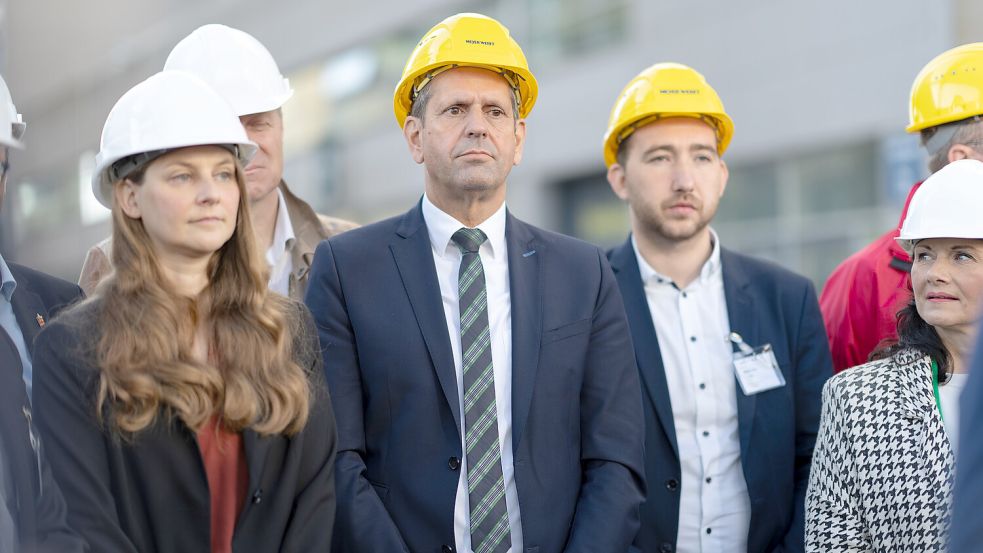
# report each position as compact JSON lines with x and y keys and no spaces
{"x":665,"y":90}
{"x":949,"y":88}
{"x":465,"y":39}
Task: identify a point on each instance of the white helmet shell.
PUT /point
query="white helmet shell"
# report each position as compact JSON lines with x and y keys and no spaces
{"x":171,"y":109}
{"x":235,"y":64}
{"x":12,"y":126}
{"x":946,"y":205}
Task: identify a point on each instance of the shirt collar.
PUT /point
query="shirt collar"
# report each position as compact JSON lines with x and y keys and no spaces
{"x":7,"y":282}
{"x":711,"y":267}
{"x":283,"y":232}
{"x":441,"y":226}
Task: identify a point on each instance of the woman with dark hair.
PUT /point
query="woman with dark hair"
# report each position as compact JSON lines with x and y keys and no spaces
{"x":881,"y":478}
{"x":183,"y":405}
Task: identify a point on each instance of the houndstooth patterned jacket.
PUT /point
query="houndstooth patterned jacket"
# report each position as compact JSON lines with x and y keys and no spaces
{"x":881,"y":479}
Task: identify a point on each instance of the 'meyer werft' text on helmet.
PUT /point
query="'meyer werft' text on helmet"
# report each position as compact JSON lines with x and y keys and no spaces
{"x":661,"y":91}
{"x":465,"y":39}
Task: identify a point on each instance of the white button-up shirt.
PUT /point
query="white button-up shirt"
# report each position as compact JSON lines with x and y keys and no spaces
{"x":495,"y":262}
{"x":278,"y":255}
{"x":693,"y":328}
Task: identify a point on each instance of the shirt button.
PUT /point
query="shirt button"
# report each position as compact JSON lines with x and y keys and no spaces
{"x":709,"y":479}
{"x":703,"y":385}
{"x":708,"y":530}
{"x":454,"y":463}
{"x":684,"y":294}
{"x":706,"y":433}
{"x":692,"y":338}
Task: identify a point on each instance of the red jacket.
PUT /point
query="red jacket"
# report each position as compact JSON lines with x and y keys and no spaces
{"x":862,"y":296}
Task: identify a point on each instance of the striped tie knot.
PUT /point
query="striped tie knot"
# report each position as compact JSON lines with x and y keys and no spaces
{"x":469,"y":239}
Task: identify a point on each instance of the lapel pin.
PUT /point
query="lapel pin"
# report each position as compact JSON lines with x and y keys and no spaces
{"x":528,"y":253}
{"x":40,"y":319}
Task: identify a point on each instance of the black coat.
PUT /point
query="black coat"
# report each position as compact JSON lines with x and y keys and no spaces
{"x":150,"y":494}
{"x":35,"y":501}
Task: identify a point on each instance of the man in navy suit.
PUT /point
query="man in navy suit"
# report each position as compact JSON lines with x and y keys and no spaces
{"x":731,"y":350}
{"x":32,"y":509}
{"x":967,"y":517}
{"x":481,"y":368}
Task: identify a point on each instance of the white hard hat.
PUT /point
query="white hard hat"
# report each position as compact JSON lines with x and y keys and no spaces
{"x":947,"y":205}
{"x":12,"y":125}
{"x":171,"y":109}
{"x":235,"y":64}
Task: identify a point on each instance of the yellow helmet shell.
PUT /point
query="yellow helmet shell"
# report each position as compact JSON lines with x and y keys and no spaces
{"x":665,"y":90}
{"x":466,"y":39}
{"x":949,"y":88}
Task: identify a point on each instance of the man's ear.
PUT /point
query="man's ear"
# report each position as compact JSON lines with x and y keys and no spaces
{"x":127,"y":200}
{"x":520,"y":141}
{"x":616,"y":178}
{"x":961,"y":151}
{"x":413,"y":133}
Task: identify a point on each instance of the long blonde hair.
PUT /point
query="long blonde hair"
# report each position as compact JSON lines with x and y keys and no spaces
{"x":252,"y":379}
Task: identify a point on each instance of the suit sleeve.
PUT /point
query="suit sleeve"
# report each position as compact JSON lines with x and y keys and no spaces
{"x":814,"y":366}
{"x":312,"y":519}
{"x":833,"y":521}
{"x":65,"y":413}
{"x":362,"y":522}
{"x":967,"y":517}
{"x":53,"y":533}
{"x":613,"y":484}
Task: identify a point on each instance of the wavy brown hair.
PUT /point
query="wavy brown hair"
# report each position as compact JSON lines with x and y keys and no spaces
{"x":144,"y":351}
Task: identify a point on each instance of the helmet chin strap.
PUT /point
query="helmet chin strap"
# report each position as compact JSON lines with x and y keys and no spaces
{"x":944,"y":133}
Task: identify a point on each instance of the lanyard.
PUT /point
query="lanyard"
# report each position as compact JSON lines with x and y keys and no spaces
{"x":935,"y":387}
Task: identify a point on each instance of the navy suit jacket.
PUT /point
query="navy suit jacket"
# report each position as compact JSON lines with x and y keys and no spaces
{"x":35,"y":501}
{"x":766,"y":305}
{"x":967,"y":517}
{"x":576,"y":411}
{"x":38,"y":295}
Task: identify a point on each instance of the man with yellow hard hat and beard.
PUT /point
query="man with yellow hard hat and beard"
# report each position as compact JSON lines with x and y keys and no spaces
{"x":731,"y":350}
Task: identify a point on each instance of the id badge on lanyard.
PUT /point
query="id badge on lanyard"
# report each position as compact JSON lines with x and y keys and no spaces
{"x":757,"y":369}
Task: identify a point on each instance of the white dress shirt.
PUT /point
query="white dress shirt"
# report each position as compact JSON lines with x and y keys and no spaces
{"x":949,"y":393}
{"x":278,"y":255}
{"x":495,"y":262}
{"x":692,"y":328}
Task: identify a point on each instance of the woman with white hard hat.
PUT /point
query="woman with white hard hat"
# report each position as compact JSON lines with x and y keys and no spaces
{"x":881,"y":477}
{"x":183,"y":405}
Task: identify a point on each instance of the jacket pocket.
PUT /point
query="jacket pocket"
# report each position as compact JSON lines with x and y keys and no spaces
{"x":566,"y":331}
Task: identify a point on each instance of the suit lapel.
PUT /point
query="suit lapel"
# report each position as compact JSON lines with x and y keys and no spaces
{"x":647,"y":352}
{"x":257,"y":448}
{"x":413,"y":255}
{"x":527,"y":294}
{"x":27,"y":307}
{"x":742,"y":321}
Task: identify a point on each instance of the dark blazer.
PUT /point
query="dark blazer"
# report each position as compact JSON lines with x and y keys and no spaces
{"x":35,"y":502}
{"x":967,"y":517}
{"x":149,"y":493}
{"x":38,"y":295}
{"x":766,"y":305}
{"x":576,"y":412}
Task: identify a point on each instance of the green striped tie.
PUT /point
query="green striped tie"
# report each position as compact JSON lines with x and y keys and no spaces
{"x":486,"y":484}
